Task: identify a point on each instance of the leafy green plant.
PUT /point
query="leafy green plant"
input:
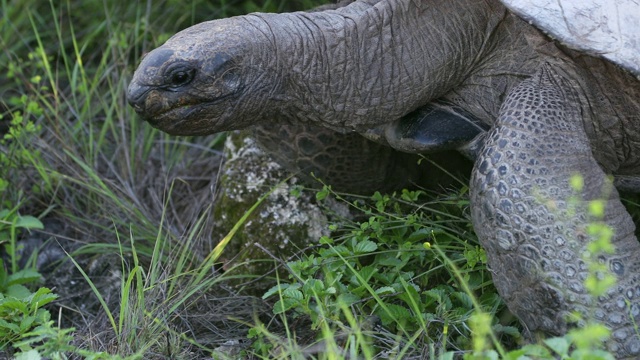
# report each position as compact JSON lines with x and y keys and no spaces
{"x":378,"y":267}
{"x":398,"y":268}
{"x":23,"y":319}
{"x":21,"y":310}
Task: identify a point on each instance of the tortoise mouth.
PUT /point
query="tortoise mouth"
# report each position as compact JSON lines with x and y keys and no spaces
{"x":194,"y":119}
{"x":183,"y":115}
{"x":174,"y":121}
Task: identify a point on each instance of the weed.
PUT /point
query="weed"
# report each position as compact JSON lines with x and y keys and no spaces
{"x":394,"y":267}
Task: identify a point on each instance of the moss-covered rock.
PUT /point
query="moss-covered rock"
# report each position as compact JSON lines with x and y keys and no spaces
{"x":287,"y":221}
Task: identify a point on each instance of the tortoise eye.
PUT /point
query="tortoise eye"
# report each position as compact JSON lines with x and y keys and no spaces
{"x":181,"y":78}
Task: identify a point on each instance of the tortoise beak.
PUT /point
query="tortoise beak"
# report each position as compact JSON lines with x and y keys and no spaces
{"x":136,"y":96}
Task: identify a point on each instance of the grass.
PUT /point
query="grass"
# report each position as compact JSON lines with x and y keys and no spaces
{"x":127,"y":209}
{"x":126,"y":195}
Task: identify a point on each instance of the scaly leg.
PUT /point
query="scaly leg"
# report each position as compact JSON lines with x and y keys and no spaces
{"x":533,"y":224}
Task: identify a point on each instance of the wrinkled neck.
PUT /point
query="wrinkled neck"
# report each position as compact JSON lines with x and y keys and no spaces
{"x":372,"y":62}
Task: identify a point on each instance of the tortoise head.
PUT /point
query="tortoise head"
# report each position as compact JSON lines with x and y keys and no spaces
{"x":198,"y":81}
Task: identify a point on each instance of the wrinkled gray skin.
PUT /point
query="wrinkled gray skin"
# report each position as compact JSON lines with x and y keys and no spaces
{"x":553,"y":113}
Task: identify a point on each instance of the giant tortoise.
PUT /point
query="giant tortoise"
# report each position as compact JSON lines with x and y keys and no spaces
{"x":532,"y":108}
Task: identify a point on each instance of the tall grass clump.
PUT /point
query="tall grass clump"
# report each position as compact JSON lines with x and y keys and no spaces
{"x":122,"y":207}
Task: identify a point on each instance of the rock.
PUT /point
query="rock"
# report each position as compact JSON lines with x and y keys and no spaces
{"x":287,"y":221}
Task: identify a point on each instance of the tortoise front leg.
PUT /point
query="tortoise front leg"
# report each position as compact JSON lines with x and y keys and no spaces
{"x":534,"y":225}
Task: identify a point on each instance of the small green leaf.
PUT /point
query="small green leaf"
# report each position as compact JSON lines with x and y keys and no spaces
{"x":322,"y":194}
{"x":11,"y":304}
{"x":43,"y":296}
{"x":325,"y":240}
{"x":335,"y":250}
{"x":474,"y":255}
{"x":26,"y":323}
{"x":292,"y":293}
{"x":365,"y":246}
{"x":410,"y":195}
{"x":393,"y":313}
{"x":364,"y":273}
{"x":275,"y":290}
{"x":43,"y":315}
{"x":29,"y":222}
{"x":389,"y":261}
{"x":18,"y":291}
{"x":559,"y":345}
{"x":464,"y":298}
{"x":419,"y":235}
{"x":9,"y":326}
{"x":347,"y":299}
{"x":23,"y":276}
{"x":314,"y":285}
{"x":295,"y":191}
{"x":283,"y":305}
{"x":385,"y":290}
{"x":29,"y":355}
